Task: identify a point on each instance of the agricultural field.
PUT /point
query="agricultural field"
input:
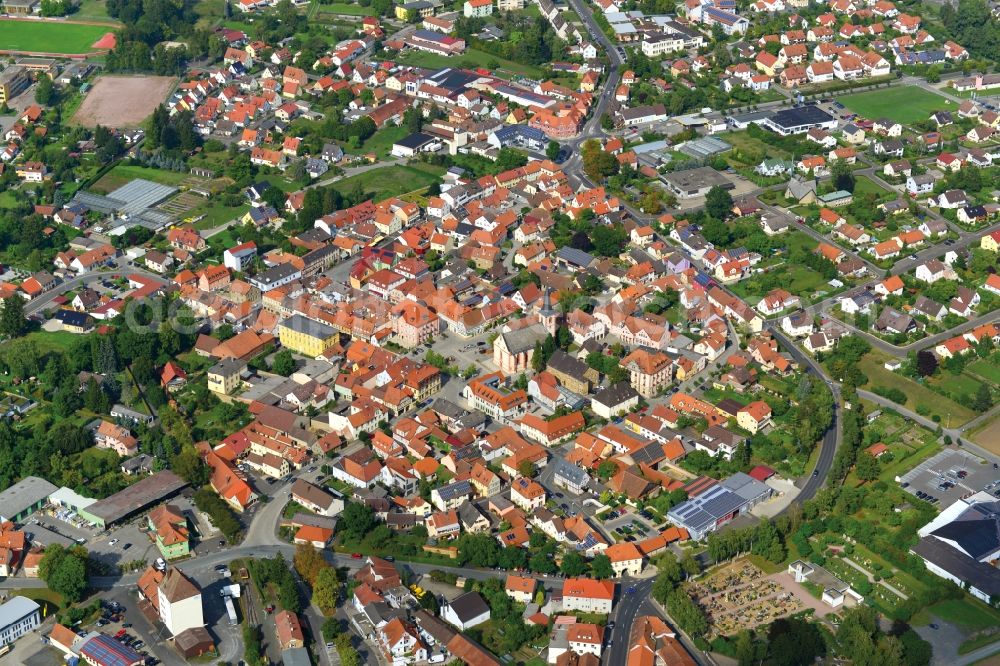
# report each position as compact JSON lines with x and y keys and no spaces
{"x":987,"y":435}
{"x":49,"y":36}
{"x":904,"y":104}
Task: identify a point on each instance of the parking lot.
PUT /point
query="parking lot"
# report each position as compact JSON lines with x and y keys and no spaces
{"x":951,"y":475}
{"x":629,"y":526}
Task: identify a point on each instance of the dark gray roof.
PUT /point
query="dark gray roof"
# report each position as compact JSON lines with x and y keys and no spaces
{"x":415,"y":141}
{"x":523,"y":339}
{"x":983,"y":577}
{"x":976,"y":530}
{"x":703,"y":511}
{"x":615,"y":394}
{"x":151,"y":490}
{"x":469,"y":606}
{"x":566,"y":364}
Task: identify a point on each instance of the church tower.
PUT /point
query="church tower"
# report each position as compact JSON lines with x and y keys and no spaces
{"x":549,"y":315}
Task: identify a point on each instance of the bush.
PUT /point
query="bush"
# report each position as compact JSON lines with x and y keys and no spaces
{"x":893,"y":394}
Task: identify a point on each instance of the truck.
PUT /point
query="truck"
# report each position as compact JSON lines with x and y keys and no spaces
{"x":231,"y":611}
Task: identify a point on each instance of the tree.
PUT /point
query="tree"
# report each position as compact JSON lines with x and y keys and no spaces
{"x":573,"y":564}
{"x":690,"y":565}
{"x":718,"y":203}
{"x":600,"y":567}
{"x":689,"y":617}
{"x":283,"y":364}
{"x":479,"y":550}
{"x":794,"y":642}
{"x":552,"y":150}
{"x":308,"y":562}
{"x":843,"y":176}
{"x":926,"y":363}
{"x":188,"y":465}
{"x":746,"y":649}
{"x":526,"y":468}
{"x":866,"y":467}
{"x":606,"y":470}
{"x":45,"y":91}
{"x":356,"y":521}
{"x":983,"y":398}
{"x":326,"y":589}
{"x":65,"y":571}
{"x":13,"y":323}
{"x":597,"y":163}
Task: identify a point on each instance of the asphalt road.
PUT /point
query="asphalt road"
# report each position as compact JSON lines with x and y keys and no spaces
{"x":833,"y":435}
{"x":121,"y":266}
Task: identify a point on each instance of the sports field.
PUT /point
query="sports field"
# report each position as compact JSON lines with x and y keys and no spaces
{"x":904,"y":104}
{"x":122,"y":101}
{"x":49,"y":36}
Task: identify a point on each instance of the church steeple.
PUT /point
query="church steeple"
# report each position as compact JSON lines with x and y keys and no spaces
{"x":548,"y":315}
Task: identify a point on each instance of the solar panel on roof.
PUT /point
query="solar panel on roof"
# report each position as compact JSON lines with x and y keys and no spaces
{"x":108,"y":652}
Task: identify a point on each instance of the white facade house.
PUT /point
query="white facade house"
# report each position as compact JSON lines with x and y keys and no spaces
{"x":179,"y":602}
{"x":18,"y":616}
{"x":466,"y":611}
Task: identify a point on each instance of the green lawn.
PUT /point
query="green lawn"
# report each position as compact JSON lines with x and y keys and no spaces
{"x":46,"y":341}
{"x":916,"y":394}
{"x":216,"y":214}
{"x":381,"y":142}
{"x":967,"y":612}
{"x":391,"y":181}
{"x":349,"y":9}
{"x":904,"y":104}
{"x":472,"y":58}
{"x":959,"y":387}
{"x":9,"y":198}
{"x":903,"y":463}
{"x":742,"y":142}
{"x":49,"y":36}
{"x":92,"y":10}
{"x":985,"y":369}
{"x":865,"y":185}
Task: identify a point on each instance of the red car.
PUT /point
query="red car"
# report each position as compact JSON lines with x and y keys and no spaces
{"x":121,"y":632}
{"x":356,"y":556}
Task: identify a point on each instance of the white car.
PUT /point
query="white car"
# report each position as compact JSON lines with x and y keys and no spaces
{"x":113,"y":542}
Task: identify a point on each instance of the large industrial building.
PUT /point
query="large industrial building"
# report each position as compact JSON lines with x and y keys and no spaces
{"x":719,"y":503}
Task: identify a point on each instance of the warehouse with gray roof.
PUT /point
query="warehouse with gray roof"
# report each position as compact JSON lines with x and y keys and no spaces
{"x":24,"y":498}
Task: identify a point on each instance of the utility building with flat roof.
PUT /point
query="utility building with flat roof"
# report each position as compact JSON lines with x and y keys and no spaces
{"x":24,"y":498}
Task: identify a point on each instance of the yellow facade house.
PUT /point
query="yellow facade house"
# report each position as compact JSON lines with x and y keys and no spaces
{"x":305,"y":336}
